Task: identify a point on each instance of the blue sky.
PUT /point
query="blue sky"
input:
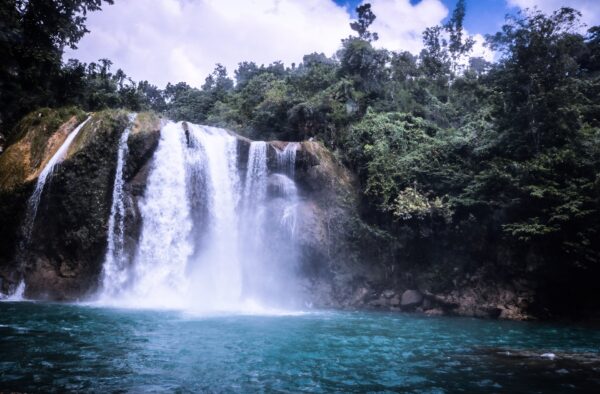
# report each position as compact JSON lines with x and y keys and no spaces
{"x":181,"y":40}
{"x":483,"y":16}
{"x":487,"y":16}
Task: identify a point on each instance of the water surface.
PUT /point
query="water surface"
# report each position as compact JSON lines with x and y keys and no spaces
{"x":56,"y":347}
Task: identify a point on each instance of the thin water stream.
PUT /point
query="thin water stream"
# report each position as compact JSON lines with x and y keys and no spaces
{"x":45,"y":175}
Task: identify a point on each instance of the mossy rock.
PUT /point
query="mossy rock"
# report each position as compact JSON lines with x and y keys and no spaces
{"x":69,"y":238}
{"x":35,"y":140}
{"x":101,"y":123}
{"x":142,"y":142}
{"x":37,"y":137}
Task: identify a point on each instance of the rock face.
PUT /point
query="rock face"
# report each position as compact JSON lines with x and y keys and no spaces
{"x":63,"y":257}
{"x":344,"y":262}
{"x":37,"y":137}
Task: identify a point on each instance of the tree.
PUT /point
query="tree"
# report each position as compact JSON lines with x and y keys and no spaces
{"x":365,"y":19}
{"x":314,"y":74}
{"x":434,"y":57}
{"x":538,"y":77}
{"x":456,"y":45}
{"x":245,"y":72}
{"x":153,"y":97}
{"x":365,"y":66}
{"x":34,"y":35}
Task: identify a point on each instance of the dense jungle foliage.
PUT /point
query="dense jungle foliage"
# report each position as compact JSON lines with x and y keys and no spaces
{"x":442,"y":143}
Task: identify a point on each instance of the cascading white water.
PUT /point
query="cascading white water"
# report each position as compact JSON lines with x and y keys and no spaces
{"x":217,"y":269}
{"x":255,"y":191}
{"x":158,"y":276}
{"x":207,"y":242}
{"x":286,"y":159}
{"x":285,"y":188}
{"x":114,"y":273}
{"x":18,"y":294}
{"x":34,"y":200}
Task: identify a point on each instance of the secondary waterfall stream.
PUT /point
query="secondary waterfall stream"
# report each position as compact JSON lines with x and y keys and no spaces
{"x":113,"y":272}
{"x":217,"y":232}
{"x":34,"y":200}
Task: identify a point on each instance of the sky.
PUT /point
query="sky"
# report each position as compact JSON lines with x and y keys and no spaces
{"x":181,"y":40}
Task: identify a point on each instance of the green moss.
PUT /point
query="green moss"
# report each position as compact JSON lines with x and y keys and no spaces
{"x":103,"y":122}
{"x":146,"y":122}
{"x":41,"y":125}
{"x":44,"y":122}
{"x":27,"y":149}
{"x":12,"y":172}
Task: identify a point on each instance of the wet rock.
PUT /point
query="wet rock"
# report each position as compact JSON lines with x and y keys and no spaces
{"x":434,"y":312}
{"x":142,"y":142}
{"x":379,"y":303}
{"x":34,"y":142}
{"x":63,"y":258}
{"x":411,"y":299}
{"x":359,"y":296}
{"x":569,"y":360}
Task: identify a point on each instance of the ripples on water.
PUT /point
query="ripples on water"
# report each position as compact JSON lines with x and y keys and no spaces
{"x":49,"y":347}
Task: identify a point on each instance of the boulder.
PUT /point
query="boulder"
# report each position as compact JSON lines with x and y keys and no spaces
{"x":411,"y":299}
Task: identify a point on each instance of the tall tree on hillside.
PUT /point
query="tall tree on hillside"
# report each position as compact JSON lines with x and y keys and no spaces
{"x":33,"y":36}
{"x":538,"y":76}
{"x":365,"y":18}
{"x":446,"y":45}
{"x":458,"y":44}
{"x":434,"y":57}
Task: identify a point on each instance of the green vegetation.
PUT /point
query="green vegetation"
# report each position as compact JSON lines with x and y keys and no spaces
{"x":442,"y":143}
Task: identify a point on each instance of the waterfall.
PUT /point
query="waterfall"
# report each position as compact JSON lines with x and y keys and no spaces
{"x":217,"y":269}
{"x":256,"y":172}
{"x":211,"y":237}
{"x":253,"y":226}
{"x":288,"y":191}
{"x":113,"y":273}
{"x":284,"y":182}
{"x":34,"y":200}
{"x":164,"y":247}
{"x":255,"y":190}
{"x":286,"y":159}
{"x":17,"y":295}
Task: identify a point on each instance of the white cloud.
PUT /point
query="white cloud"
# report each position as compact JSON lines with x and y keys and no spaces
{"x":479,"y":50}
{"x":590,"y":9}
{"x":182,"y":40}
{"x":400,"y":24}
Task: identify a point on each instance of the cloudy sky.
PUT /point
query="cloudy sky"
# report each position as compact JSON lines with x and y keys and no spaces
{"x":181,"y":40}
